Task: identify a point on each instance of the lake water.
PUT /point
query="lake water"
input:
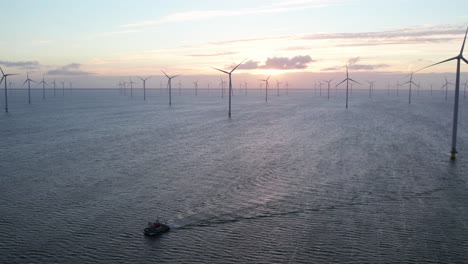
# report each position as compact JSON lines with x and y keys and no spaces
{"x":299,"y":179}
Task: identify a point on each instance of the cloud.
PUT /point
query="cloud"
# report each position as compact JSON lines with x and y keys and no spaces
{"x":213,"y":54}
{"x":415,"y":35}
{"x":26,"y":65}
{"x":353,"y":61}
{"x":69,"y":69}
{"x":278,"y":63}
{"x":368,"y":67}
{"x":281,"y":7}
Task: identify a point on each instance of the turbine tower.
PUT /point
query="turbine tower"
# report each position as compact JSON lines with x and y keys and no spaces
{"x":4,"y":78}
{"x":131,"y":87}
{"x":144,"y":86}
{"x":459,"y":58}
{"x":347,"y":84}
{"x":230,"y":83}
{"x":266,"y":88}
{"x":43,"y":82}
{"x":222,"y":83}
{"x":371,"y":85}
{"x":169,"y":85}
{"x":196,"y":87}
{"x":29,"y":86}
{"x":54,"y":86}
{"x":277,"y":87}
{"x":63,"y":88}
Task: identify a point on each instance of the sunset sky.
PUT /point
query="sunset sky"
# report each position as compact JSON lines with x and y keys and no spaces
{"x":101,"y":40}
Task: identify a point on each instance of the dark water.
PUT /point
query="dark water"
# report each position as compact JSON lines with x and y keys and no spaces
{"x":296,"y":180}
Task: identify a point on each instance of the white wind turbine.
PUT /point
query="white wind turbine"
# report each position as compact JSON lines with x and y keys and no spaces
{"x":43,"y":82}
{"x":29,"y":86}
{"x":144,"y":86}
{"x":4,"y":78}
{"x":410,"y":83}
{"x":371,"y":86}
{"x":63,"y":88}
{"x":328,"y":82}
{"x":459,"y":58}
{"x":131,"y":87}
{"x":446,"y":87}
{"x":222,"y":83}
{"x":245,"y":87}
{"x":347,"y":84}
{"x":277,"y":87}
{"x":55,"y":84}
{"x":169,"y":85}
{"x":266,"y":88}
{"x":196,"y":87}
{"x":230,"y":83}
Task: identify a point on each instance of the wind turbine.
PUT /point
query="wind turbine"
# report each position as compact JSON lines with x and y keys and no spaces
{"x":397,"y":87}
{"x":245,"y":87}
{"x":230,"y":83}
{"x":196,"y":87}
{"x":169,"y":85}
{"x":459,"y":58}
{"x":63,"y":88}
{"x":209,"y":87}
{"x":131,"y":87}
{"x":315,"y":88}
{"x":347,"y":83}
{"x":328,"y":98}
{"x":287,"y":88}
{"x":124,"y":88}
{"x":320,"y":88}
{"x":371,"y":85}
{"x":180,"y":87}
{"x":144,"y":86}
{"x":29,"y":86}
{"x":43,"y":87}
{"x":54,"y":86}
{"x":446,"y":87}
{"x":266,"y":88}
{"x":410,"y":83}
{"x":277,"y":87}
{"x":222,"y":83}
{"x":4,"y":78}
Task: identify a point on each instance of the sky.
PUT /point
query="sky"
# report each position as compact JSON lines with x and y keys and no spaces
{"x":96,"y":43}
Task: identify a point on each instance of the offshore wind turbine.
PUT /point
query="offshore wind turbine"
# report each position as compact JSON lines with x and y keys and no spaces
{"x":230,"y":83}
{"x":4,"y":78}
{"x":169,"y":85}
{"x":397,"y":87}
{"x":43,"y":82}
{"x":63,"y":88}
{"x":131,"y":87}
{"x":287,"y":88}
{"x":320,"y":88}
{"x":55,"y":84}
{"x":446,"y":87}
{"x":196,"y":87}
{"x":144,"y":86}
{"x":347,"y":84}
{"x":277,"y":87}
{"x":180,"y":87}
{"x":459,"y":58}
{"x":29,"y":86}
{"x":222,"y":83}
{"x":371,"y":85}
{"x":328,"y":82}
{"x":410,"y":83}
{"x":245,"y":87}
{"x":266,"y":88}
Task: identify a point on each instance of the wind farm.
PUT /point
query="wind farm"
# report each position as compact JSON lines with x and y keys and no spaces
{"x":305,"y":131}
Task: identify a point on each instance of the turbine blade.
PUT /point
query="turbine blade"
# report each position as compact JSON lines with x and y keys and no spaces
{"x":463,"y":45}
{"x":440,"y":62}
{"x":268,"y":78}
{"x":2,"y":71}
{"x":176,"y":76}
{"x":220,"y":70}
{"x":354,"y":81}
{"x":405,"y":83}
{"x":466,"y":61}
{"x":140,"y":78}
{"x":165,"y":74}
{"x":148,"y":78}
{"x":2,"y":79}
{"x":340,"y":83}
{"x":237,"y":66}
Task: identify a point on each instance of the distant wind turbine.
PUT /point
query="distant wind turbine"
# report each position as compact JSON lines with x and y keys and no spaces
{"x":55,"y":84}
{"x":43,"y":82}
{"x":230,"y":83}
{"x":277,"y":87}
{"x":63,"y":88}
{"x":266,"y":88}
{"x":371,"y":86}
{"x":245,"y":87}
{"x":29,"y":86}
{"x":169,"y":85}
{"x":144,"y":86}
{"x":196,"y":87}
{"x":222,"y":83}
{"x":347,"y":84}
{"x":397,"y":88}
{"x":446,"y":87}
{"x":180,"y":87}
{"x":459,"y":58}
{"x":328,"y":82}
{"x":410,"y":83}
{"x":131,"y":87}
{"x":4,"y":78}
{"x":287,"y":88}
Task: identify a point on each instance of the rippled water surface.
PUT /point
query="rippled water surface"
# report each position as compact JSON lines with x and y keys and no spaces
{"x":296,"y":180}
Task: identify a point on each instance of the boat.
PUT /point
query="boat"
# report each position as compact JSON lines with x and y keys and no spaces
{"x":156,"y":228}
